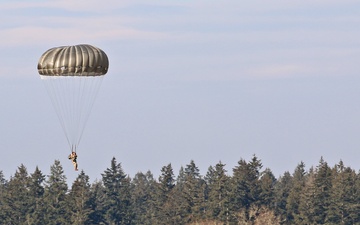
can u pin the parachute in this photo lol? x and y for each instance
(72, 76)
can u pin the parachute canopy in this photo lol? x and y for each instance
(77, 60)
(72, 76)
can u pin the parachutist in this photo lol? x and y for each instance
(73, 157)
(72, 76)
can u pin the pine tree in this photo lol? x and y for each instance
(254, 181)
(96, 202)
(118, 199)
(194, 193)
(166, 179)
(344, 205)
(322, 195)
(293, 199)
(79, 200)
(36, 192)
(355, 199)
(282, 190)
(3, 181)
(323, 188)
(267, 185)
(143, 189)
(180, 179)
(4, 208)
(180, 197)
(246, 189)
(307, 200)
(17, 197)
(218, 189)
(55, 196)
(239, 188)
(166, 197)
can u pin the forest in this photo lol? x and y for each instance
(322, 194)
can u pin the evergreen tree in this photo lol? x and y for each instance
(322, 195)
(55, 196)
(254, 181)
(180, 179)
(218, 189)
(180, 199)
(3, 181)
(209, 180)
(4, 208)
(246, 189)
(239, 188)
(143, 189)
(293, 200)
(166, 179)
(323, 188)
(118, 199)
(79, 200)
(167, 197)
(308, 201)
(36, 193)
(282, 190)
(344, 205)
(267, 185)
(17, 198)
(210, 177)
(96, 203)
(194, 193)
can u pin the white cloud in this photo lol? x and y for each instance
(33, 35)
(80, 5)
(205, 22)
(248, 42)
(278, 71)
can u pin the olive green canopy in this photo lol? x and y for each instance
(77, 60)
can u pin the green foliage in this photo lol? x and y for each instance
(79, 200)
(117, 202)
(143, 198)
(16, 198)
(3, 190)
(344, 196)
(282, 189)
(320, 195)
(55, 196)
(193, 193)
(267, 192)
(166, 197)
(96, 203)
(167, 180)
(36, 210)
(217, 193)
(323, 187)
(293, 200)
(246, 186)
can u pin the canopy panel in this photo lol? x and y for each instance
(77, 60)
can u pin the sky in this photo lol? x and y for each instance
(198, 80)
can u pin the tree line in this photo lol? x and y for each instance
(251, 195)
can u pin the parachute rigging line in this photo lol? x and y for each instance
(73, 99)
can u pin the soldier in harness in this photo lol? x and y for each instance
(73, 157)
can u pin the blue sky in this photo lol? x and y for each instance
(207, 81)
